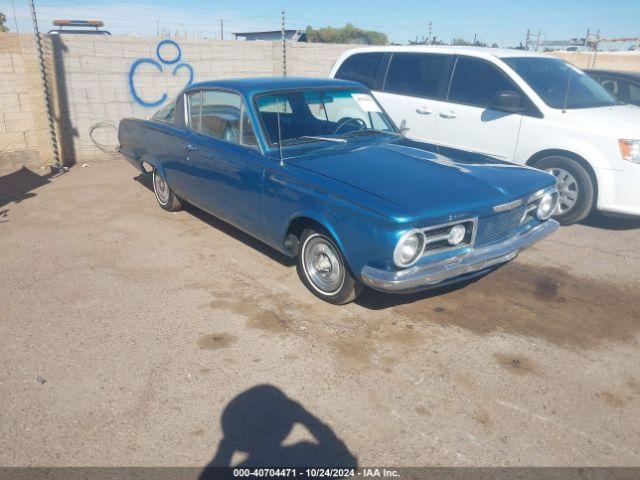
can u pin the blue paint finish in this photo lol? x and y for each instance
(366, 192)
(159, 66)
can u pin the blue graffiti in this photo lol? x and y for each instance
(160, 68)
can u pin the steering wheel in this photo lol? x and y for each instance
(347, 120)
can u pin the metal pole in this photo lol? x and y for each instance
(45, 87)
(284, 48)
(221, 29)
(15, 17)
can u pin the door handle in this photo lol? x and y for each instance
(422, 110)
(448, 114)
(190, 148)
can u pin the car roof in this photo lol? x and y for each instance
(616, 73)
(254, 85)
(454, 49)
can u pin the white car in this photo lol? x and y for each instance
(516, 106)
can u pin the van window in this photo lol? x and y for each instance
(417, 74)
(476, 82)
(361, 67)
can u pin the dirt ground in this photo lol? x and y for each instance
(132, 336)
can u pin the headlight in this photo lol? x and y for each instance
(630, 150)
(408, 249)
(547, 204)
(457, 234)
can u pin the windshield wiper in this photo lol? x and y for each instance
(370, 131)
(310, 138)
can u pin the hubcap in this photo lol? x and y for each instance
(322, 265)
(161, 188)
(568, 190)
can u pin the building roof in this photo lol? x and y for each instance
(250, 86)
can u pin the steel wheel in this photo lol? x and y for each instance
(161, 188)
(323, 265)
(164, 195)
(568, 189)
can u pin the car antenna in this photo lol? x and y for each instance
(280, 137)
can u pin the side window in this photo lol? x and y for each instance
(195, 106)
(417, 74)
(476, 82)
(634, 93)
(218, 114)
(167, 113)
(248, 134)
(361, 67)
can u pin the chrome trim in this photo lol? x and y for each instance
(451, 248)
(424, 276)
(507, 206)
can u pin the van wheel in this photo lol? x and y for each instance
(322, 269)
(575, 187)
(164, 195)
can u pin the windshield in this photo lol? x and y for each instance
(559, 84)
(317, 115)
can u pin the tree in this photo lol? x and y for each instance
(346, 34)
(3, 20)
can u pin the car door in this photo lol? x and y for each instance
(413, 91)
(224, 166)
(468, 120)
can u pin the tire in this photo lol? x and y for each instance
(576, 188)
(322, 268)
(164, 195)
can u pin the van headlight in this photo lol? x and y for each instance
(409, 248)
(546, 205)
(630, 150)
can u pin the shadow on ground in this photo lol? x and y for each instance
(224, 227)
(18, 186)
(256, 423)
(607, 222)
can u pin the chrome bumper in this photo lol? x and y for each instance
(432, 274)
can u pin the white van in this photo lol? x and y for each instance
(516, 106)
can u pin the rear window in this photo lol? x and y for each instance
(361, 67)
(417, 74)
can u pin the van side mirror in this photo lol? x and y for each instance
(403, 127)
(507, 101)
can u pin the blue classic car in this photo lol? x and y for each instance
(317, 170)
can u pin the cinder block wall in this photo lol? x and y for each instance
(93, 87)
(24, 134)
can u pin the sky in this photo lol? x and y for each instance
(493, 21)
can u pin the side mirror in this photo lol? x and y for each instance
(403, 127)
(507, 101)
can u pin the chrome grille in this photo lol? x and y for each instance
(498, 227)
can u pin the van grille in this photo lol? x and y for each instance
(498, 227)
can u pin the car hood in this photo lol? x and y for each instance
(622, 121)
(422, 182)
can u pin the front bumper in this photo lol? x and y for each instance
(446, 271)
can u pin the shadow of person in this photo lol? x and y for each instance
(256, 423)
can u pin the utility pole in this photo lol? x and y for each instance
(527, 40)
(221, 29)
(284, 48)
(586, 38)
(15, 17)
(538, 41)
(429, 40)
(475, 36)
(45, 87)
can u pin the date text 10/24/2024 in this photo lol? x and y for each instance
(315, 473)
